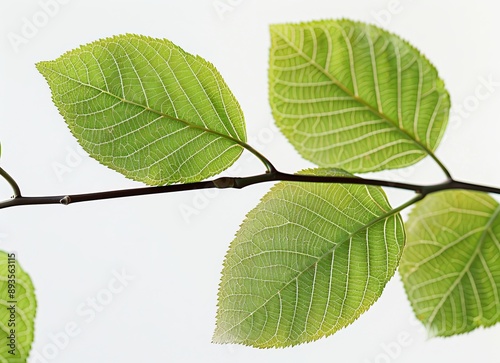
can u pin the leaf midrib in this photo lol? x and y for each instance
(360, 100)
(147, 108)
(467, 266)
(317, 260)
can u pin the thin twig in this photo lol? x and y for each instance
(238, 183)
(12, 182)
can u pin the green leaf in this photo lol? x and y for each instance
(17, 311)
(147, 109)
(350, 95)
(451, 263)
(306, 262)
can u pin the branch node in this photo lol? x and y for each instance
(224, 182)
(66, 200)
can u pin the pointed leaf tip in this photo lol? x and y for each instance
(351, 95)
(306, 262)
(147, 109)
(450, 266)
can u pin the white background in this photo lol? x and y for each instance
(167, 312)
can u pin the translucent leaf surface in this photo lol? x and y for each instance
(307, 261)
(451, 264)
(17, 311)
(351, 95)
(147, 109)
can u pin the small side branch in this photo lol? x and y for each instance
(12, 182)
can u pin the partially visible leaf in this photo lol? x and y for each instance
(306, 262)
(147, 109)
(17, 311)
(351, 95)
(451, 263)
